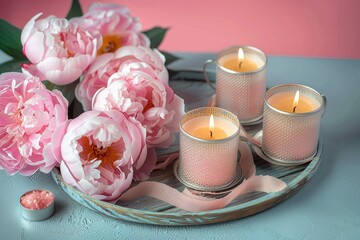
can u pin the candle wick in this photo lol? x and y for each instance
(240, 64)
(211, 134)
(294, 109)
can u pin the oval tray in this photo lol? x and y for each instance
(152, 211)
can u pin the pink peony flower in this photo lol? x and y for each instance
(137, 91)
(107, 64)
(102, 152)
(29, 115)
(116, 26)
(59, 51)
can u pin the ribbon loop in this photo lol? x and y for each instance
(191, 202)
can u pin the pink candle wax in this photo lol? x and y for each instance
(37, 199)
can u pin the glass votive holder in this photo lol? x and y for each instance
(291, 123)
(241, 82)
(208, 159)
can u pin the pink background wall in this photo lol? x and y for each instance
(317, 28)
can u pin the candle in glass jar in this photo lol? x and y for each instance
(240, 82)
(292, 103)
(211, 132)
(291, 123)
(209, 140)
(201, 127)
(239, 63)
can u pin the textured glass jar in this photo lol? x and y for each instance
(292, 137)
(209, 165)
(242, 93)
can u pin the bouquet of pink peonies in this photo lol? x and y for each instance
(119, 79)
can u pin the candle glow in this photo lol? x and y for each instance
(296, 100)
(240, 57)
(210, 132)
(238, 62)
(288, 102)
(211, 125)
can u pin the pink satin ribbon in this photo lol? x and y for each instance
(191, 202)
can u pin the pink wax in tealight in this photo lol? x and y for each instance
(37, 199)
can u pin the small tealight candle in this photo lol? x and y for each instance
(37, 205)
(291, 123)
(209, 140)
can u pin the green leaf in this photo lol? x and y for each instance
(156, 35)
(169, 57)
(10, 40)
(12, 65)
(75, 10)
(67, 90)
(75, 109)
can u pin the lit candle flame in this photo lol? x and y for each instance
(296, 100)
(211, 125)
(211, 122)
(240, 56)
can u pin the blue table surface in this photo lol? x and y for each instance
(328, 207)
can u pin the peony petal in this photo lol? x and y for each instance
(31, 70)
(28, 119)
(28, 28)
(143, 173)
(66, 175)
(35, 55)
(108, 131)
(59, 71)
(59, 51)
